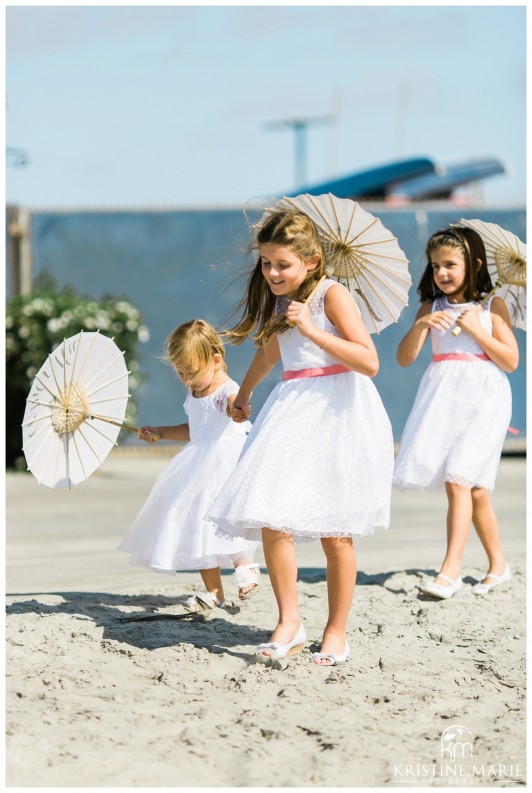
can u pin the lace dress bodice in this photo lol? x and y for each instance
(207, 417)
(443, 341)
(298, 352)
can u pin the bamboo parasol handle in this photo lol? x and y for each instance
(309, 297)
(517, 266)
(457, 331)
(110, 421)
(155, 435)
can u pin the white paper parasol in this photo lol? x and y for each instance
(75, 410)
(361, 253)
(506, 257)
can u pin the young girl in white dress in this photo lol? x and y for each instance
(455, 432)
(171, 531)
(318, 462)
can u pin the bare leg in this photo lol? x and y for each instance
(341, 577)
(213, 582)
(487, 528)
(459, 516)
(281, 561)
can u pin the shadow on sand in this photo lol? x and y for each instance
(167, 626)
(107, 610)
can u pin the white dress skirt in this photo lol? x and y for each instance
(319, 459)
(171, 531)
(458, 423)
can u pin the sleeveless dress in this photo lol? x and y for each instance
(319, 459)
(170, 532)
(457, 426)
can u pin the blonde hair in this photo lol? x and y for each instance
(193, 345)
(291, 229)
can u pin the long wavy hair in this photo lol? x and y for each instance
(477, 278)
(296, 231)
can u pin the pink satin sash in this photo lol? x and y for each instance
(461, 356)
(295, 374)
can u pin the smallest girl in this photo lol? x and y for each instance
(171, 532)
(455, 432)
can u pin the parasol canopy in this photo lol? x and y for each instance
(361, 253)
(75, 410)
(506, 257)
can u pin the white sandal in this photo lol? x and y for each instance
(247, 575)
(206, 601)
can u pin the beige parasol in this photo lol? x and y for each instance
(361, 253)
(506, 257)
(75, 410)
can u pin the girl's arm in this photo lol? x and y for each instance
(411, 345)
(501, 347)
(177, 432)
(355, 348)
(265, 359)
(229, 405)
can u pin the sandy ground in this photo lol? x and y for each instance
(93, 701)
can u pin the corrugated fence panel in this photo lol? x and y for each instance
(175, 265)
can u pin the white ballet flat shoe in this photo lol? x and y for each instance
(334, 658)
(440, 591)
(495, 580)
(278, 651)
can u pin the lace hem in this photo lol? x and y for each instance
(440, 488)
(456, 479)
(312, 537)
(230, 531)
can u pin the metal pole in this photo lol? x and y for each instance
(300, 139)
(299, 125)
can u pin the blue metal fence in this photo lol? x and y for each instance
(175, 265)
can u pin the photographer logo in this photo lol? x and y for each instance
(456, 742)
(458, 764)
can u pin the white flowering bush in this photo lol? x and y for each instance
(36, 324)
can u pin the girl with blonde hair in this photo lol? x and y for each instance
(171, 531)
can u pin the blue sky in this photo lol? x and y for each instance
(138, 106)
